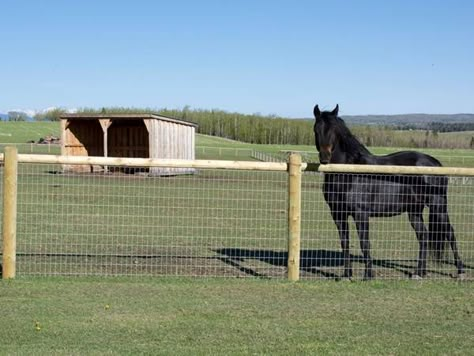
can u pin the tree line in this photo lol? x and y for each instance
(438, 126)
(270, 129)
(254, 128)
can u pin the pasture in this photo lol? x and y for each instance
(64, 316)
(217, 223)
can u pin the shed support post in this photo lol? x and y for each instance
(9, 212)
(105, 124)
(294, 216)
(64, 126)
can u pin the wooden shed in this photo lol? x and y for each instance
(127, 135)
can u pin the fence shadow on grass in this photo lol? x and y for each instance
(318, 262)
(311, 261)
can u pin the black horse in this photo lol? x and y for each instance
(365, 196)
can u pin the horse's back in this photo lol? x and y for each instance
(407, 158)
(433, 184)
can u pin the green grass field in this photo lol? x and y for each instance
(24, 131)
(98, 316)
(228, 224)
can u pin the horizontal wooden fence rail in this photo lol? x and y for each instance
(375, 169)
(245, 165)
(149, 162)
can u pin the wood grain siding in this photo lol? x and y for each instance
(192, 150)
(170, 140)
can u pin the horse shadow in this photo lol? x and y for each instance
(317, 262)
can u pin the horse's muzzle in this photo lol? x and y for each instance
(324, 157)
(325, 153)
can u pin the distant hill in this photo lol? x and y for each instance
(412, 120)
(4, 117)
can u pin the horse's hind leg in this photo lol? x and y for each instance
(416, 220)
(362, 224)
(440, 217)
(452, 241)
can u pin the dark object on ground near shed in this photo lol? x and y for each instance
(49, 140)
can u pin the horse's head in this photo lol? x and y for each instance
(324, 133)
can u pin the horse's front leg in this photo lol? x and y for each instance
(343, 229)
(362, 224)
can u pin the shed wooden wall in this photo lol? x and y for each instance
(170, 140)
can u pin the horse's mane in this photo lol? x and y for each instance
(349, 143)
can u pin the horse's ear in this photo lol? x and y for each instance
(336, 110)
(316, 112)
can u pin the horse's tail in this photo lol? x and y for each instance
(440, 230)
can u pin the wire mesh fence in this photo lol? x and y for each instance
(37, 148)
(132, 224)
(216, 223)
(394, 246)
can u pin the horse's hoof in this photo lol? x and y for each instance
(416, 277)
(462, 276)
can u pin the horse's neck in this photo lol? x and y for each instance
(353, 156)
(368, 159)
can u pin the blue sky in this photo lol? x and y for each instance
(271, 57)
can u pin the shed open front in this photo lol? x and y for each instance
(128, 138)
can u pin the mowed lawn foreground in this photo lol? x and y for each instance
(234, 316)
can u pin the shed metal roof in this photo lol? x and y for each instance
(125, 117)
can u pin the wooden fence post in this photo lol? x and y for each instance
(294, 216)
(9, 212)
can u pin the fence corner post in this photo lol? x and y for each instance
(9, 212)
(294, 216)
